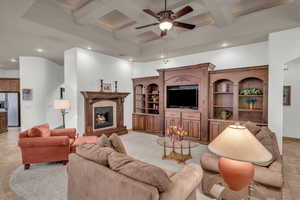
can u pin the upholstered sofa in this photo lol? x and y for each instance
(89, 180)
(268, 178)
(40, 144)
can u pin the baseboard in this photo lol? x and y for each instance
(291, 139)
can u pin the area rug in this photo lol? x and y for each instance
(48, 181)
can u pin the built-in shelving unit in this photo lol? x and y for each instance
(230, 104)
(146, 105)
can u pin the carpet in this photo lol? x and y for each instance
(48, 181)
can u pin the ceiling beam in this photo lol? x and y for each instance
(220, 11)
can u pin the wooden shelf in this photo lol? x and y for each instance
(251, 95)
(152, 94)
(153, 102)
(250, 110)
(223, 92)
(221, 106)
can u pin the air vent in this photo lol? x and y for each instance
(114, 20)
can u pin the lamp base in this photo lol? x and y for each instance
(236, 174)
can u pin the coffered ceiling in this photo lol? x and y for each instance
(108, 26)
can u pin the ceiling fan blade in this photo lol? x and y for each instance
(146, 25)
(184, 25)
(183, 12)
(150, 12)
(163, 33)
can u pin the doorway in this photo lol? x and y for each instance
(10, 103)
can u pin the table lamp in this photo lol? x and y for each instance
(238, 148)
(62, 105)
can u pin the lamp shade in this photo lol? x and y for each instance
(238, 143)
(62, 104)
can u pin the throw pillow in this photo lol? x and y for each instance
(103, 141)
(40, 131)
(266, 138)
(117, 143)
(140, 171)
(252, 127)
(94, 152)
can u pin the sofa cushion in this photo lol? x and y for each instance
(117, 143)
(266, 138)
(103, 141)
(94, 152)
(252, 127)
(140, 171)
(40, 131)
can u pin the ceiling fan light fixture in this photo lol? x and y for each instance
(165, 25)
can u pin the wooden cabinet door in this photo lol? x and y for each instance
(138, 122)
(14, 85)
(152, 124)
(195, 129)
(216, 128)
(3, 123)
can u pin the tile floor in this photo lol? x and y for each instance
(10, 160)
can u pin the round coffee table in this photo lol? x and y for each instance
(182, 145)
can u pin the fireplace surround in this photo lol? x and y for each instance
(104, 112)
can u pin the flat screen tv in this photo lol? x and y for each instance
(183, 96)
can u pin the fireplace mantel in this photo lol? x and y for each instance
(92, 97)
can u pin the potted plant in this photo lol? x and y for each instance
(251, 91)
(251, 102)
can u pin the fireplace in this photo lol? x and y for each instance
(104, 113)
(103, 117)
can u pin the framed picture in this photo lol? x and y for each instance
(27, 94)
(107, 87)
(287, 95)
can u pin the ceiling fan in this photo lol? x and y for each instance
(166, 19)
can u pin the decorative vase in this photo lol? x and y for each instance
(251, 105)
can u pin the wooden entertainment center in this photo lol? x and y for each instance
(220, 100)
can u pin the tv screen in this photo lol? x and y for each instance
(183, 96)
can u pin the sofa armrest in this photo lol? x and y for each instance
(70, 132)
(184, 183)
(44, 141)
(269, 177)
(210, 162)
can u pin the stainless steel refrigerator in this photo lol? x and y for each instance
(9, 102)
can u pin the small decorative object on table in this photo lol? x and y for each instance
(251, 102)
(175, 140)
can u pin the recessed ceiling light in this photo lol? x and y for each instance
(13, 60)
(40, 50)
(89, 48)
(162, 56)
(225, 44)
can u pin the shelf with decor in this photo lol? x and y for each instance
(223, 99)
(251, 99)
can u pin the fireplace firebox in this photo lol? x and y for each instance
(103, 117)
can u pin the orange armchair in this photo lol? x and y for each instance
(40, 144)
